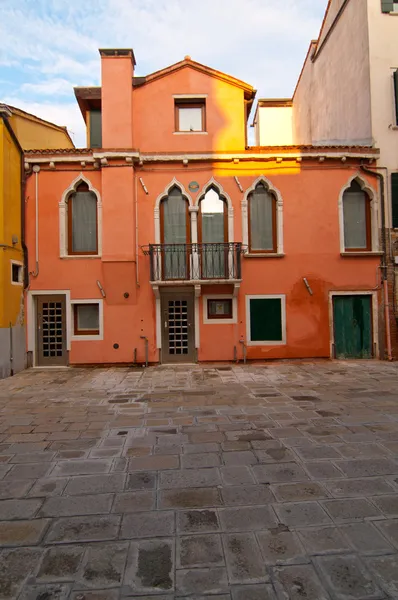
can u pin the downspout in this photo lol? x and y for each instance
(137, 281)
(384, 257)
(36, 170)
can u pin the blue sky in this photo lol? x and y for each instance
(49, 46)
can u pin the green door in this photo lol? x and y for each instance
(352, 317)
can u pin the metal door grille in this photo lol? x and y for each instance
(52, 329)
(178, 326)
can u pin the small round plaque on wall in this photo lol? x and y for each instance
(193, 186)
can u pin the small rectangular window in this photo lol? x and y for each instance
(394, 199)
(265, 320)
(395, 77)
(190, 115)
(16, 273)
(86, 319)
(95, 129)
(219, 308)
(387, 6)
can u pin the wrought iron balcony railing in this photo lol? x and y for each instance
(194, 262)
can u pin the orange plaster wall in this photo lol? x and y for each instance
(311, 244)
(154, 120)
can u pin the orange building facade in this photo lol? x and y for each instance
(171, 240)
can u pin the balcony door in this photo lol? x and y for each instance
(175, 234)
(213, 235)
(178, 326)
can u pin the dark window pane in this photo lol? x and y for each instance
(95, 129)
(87, 317)
(394, 195)
(354, 208)
(265, 320)
(261, 219)
(84, 222)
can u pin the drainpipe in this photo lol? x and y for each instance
(36, 170)
(11, 353)
(384, 257)
(137, 280)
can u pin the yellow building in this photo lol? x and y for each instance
(19, 131)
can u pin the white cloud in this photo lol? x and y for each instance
(54, 44)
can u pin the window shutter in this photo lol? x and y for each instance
(394, 199)
(95, 129)
(387, 6)
(396, 94)
(265, 319)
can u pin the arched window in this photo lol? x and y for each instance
(213, 234)
(175, 234)
(357, 219)
(262, 206)
(82, 221)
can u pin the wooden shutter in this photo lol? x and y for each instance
(396, 94)
(394, 199)
(265, 319)
(387, 6)
(95, 129)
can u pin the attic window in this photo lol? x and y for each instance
(190, 115)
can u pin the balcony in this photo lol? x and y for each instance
(176, 263)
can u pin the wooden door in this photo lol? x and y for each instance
(352, 316)
(178, 332)
(51, 331)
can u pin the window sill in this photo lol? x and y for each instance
(358, 254)
(80, 256)
(190, 132)
(264, 255)
(87, 338)
(265, 343)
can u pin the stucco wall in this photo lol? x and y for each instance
(311, 220)
(383, 37)
(332, 98)
(33, 134)
(274, 126)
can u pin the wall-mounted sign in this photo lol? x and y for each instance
(193, 186)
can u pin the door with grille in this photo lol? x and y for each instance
(178, 339)
(51, 331)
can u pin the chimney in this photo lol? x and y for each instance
(117, 71)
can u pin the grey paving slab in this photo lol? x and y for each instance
(295, 463)
(251, 518)
(191, 582)
(61, 563)
(253, 592)
(84, 529)
(95, 484)
(244, 562)
(300, 514)
(323, 540)
(347, 578)
(149, 567)
(199, 551)
(385, 569)
(103, 566)
(280, 548)
(366, 539)
(16, 566)
(148, 525)
(296, 582)
(197, 521)
(190, 478)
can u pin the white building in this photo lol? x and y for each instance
(347, 95)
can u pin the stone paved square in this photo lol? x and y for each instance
(274, 481)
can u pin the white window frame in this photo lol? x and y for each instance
(365, 187)
(63, 219)
(282, 298)
(20, 273)
(87, 338)
(279, 218)
(209, 321)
